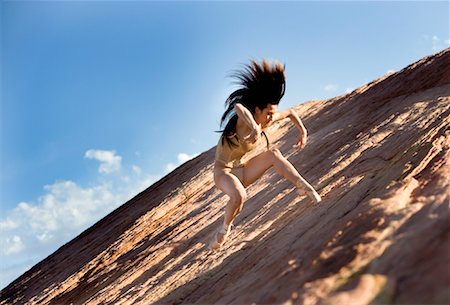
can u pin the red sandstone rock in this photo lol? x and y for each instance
(380, 158)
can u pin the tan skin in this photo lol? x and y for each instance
(249, 127)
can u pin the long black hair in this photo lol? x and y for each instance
(260, 84)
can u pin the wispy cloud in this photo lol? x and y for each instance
(331, 87)
(436, 43)
(181, 158)
(64, 210)
(109, 161)
(12, 245)
(136, 169)
(33, 230)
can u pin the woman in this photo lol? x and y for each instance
(250, 110)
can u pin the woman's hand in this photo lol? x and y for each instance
(292, 114)
(301, 142)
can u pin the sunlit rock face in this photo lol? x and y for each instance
(379, 157)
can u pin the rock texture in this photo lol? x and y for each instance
(380, 158)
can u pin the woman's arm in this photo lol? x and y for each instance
(292, 114)
(296, 120)
(246, 116)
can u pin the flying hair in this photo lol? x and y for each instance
(260, 84)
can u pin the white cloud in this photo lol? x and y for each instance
(436, 43)
(109, 161)
(136, 169)
(170, 167)
(181, 158)
(348, 90)
(11, 245)
(390, 71)
(63, 211)
(331, 87)
(33, 230)
(8, 224)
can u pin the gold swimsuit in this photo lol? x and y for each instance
(228, 158)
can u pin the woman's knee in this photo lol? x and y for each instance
(235, 191)
(276, 153)
(238, 198)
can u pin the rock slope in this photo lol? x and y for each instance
(380, 158)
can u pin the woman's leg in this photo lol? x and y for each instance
(230, 185)
(258, 165)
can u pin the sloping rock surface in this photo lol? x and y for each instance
(380, 158)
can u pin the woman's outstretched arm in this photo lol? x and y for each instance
(292, 114)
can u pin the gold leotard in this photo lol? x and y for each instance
(228, 158)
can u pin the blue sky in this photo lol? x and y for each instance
(101, 99)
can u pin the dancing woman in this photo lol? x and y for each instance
(249, 111)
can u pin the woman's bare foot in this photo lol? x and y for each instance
(311, 193)
(220, 238)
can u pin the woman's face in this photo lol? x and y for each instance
(264, 116)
